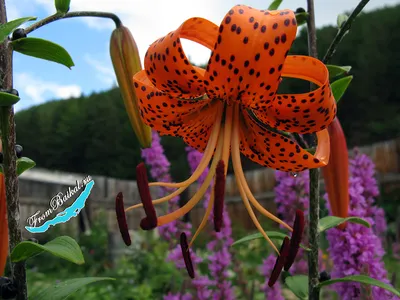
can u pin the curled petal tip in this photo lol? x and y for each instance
(298, 228)
(121, 218)
(280, 261)
(186, 255)
(126, 62)
(219, 193)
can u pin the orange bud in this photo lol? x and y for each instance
(336, 173)
(3, 226)
(126, 62)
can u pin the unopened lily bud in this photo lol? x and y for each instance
(62, 6)
(126, 61)
(336, 173)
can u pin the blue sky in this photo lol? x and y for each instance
(87, 39)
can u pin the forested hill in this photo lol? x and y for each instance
(92, 134)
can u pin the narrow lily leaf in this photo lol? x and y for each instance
(62, 6)
(8, 28)
(274, 235)
(24, 164)
(63, 246)
(361, 279)
(301, 18)
(298, 284)
(64, 289)
(335, 71)
(332, 221)
(340, 86)
(341, 19)
(7, 99)
(43, 49)
(274, 5)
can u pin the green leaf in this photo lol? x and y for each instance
(361, 279)
(335, 71)
(340, 86)
(301, 18)
(24, 164)
(63, 246)
(332, 221)
(7, 99)
(43, 49)
(274, 235)
(64, 289)
(298, 284)
(341, 19)
(274, 5)
(62, 6)
(8, 28)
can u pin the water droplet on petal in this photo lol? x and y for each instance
(294, 174)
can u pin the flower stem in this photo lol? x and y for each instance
(342, 31)
(10, 164)
(313, 235)
(59, 16)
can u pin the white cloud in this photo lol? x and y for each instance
(38, 90)
(104, 72)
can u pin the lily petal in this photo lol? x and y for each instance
(167, 66)
(248, 57)
(336, 173)
(190, 119)
(276, 151)
(301, 113)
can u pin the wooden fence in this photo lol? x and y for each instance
(38, 186)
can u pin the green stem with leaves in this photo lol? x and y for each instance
(7, 126)
(60, 16)
(345, 27)
(313, 235)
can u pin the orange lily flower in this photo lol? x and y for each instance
(336, 173)
(232, 106)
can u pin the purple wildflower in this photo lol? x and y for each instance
(357, 249)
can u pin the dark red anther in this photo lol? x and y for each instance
(144, 192)
(121, 218)
(280, 261)
(219, 193)
(297, 234)
(186, 255)
(146, 224)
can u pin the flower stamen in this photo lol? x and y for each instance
(219, 192)
(297, 234)
(280, 261)
(186, 255)
(121, 218)
(214, 138)
(241, 180)
(144, 192)
(199, 194)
